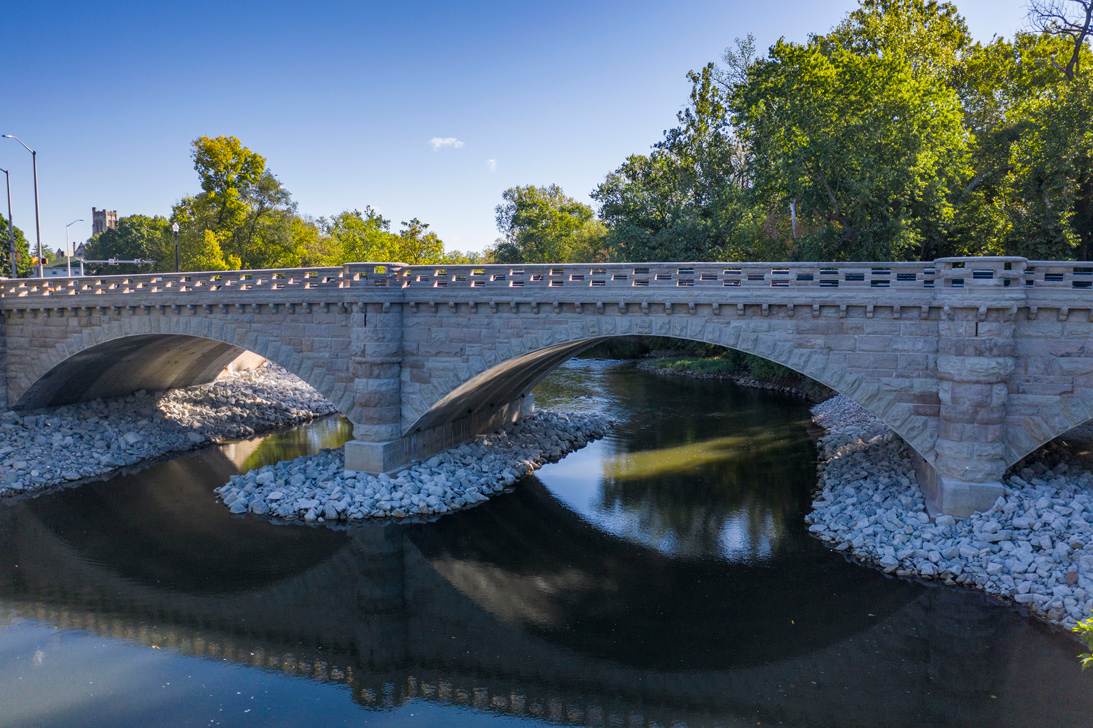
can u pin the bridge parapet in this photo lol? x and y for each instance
(224, 283)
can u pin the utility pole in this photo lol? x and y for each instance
(11, 228)
(68, 245)
(174, 227)
(37, 217)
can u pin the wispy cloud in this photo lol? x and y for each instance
(491, 165)
(439, 142)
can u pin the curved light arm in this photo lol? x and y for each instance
(73, 222)
(12, 136)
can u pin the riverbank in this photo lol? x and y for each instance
(317, 488)
(700, 368)
(1034, 547)
(90, 439)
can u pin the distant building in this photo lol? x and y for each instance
(58, 267)
(102, 220)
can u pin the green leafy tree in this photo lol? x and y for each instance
(135, 237)
(1030, 124)
(544, 225)
(242, 202)
(227, 171)
(687, 199)
(207, 255)
(868, 146)
(416, 245)
(22, 251)
(358, 237)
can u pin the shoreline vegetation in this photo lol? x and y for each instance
(673, 357)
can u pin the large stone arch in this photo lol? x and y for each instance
(1049, 389)
(501, 369)
(1028, 431)
(157, 353)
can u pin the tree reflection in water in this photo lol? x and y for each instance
(671, 477)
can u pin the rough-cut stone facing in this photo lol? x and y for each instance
(317, 488)
(78, 441)
(1034, 546)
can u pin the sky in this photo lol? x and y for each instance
(418, 109)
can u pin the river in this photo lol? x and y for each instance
(662, 576)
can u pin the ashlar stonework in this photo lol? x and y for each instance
(974, 362)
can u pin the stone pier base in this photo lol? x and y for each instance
(385, 457)
(952, 497)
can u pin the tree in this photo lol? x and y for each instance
(543, 225)
(207, 255)
(227, 170)
(1030, 190)
(242, 202)
(685, 200)
(358, 237)
(869, 145)
(1066, 19)
(415, 245)
(22, 251)
(136, 236)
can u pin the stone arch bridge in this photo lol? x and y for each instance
(974, 362)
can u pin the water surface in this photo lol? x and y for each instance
(662, 576)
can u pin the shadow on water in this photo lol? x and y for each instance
(661, 575)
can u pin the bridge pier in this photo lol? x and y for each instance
(390, 455)
(379, 445)
(975, 358)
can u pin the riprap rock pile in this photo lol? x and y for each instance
(1035, 546)
(91, 438)
(318, 488)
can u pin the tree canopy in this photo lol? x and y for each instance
(544, 225)
(893, 136)
(244, 218)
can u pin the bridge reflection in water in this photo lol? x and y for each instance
(520, 607)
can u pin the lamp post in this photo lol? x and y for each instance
(37, 217)
(68, 245)
(174, 227)
(11, 228)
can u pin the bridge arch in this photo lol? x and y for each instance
(129, 355)
(1031, 426)
(504, 369)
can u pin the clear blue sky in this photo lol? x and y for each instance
(343, 98)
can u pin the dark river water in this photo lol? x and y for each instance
(660, 577)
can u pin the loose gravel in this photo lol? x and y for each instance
(317, 488)
(1033, 547)
(93, 438)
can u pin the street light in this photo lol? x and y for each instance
(68, 245)
(11, 229)
(174, 227)
(37, 218)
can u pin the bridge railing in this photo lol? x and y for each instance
(713, 276)
(941, 273)
(1059, 274)
(221, 282)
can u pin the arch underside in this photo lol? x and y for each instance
(511, 379)
(153, 362)
(501, 385)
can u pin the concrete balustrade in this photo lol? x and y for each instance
(975, 362)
